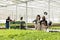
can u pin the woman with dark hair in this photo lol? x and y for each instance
(7, 22)
(43, 23)
(22, 23)
(37, 22)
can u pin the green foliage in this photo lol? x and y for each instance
(28, 35)
(16, 25)
(2, 24)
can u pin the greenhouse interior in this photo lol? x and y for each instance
(28, 9)
(29, 19)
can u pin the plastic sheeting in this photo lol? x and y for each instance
(16, 10)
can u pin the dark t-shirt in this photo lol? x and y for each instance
(43, 22)
(36, 21)
(7, 21)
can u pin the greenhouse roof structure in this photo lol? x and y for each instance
(32, 2)
(52, 7)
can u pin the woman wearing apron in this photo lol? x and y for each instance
(37, 22)
(43, 23)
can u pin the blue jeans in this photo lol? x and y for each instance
(7, 25)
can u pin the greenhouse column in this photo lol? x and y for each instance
(26, 15)
(16, 11)
(49, 8)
